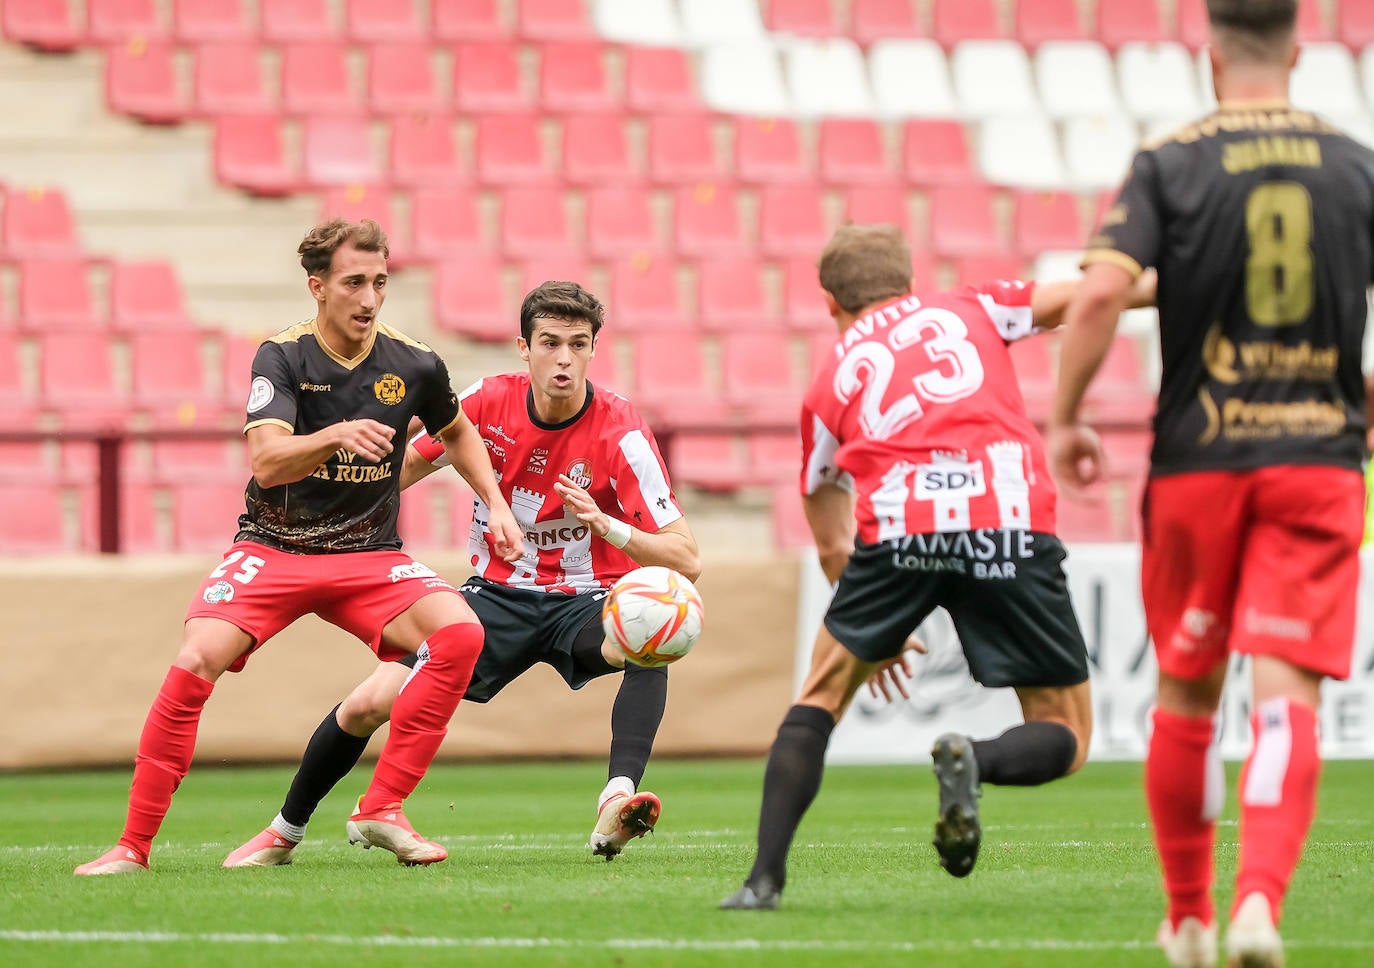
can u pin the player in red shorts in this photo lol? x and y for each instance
(319, 535)
(583, 475)
(1258, 219)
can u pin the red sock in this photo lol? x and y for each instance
(1278, 798)
(1178, 774)
(164, 754)
(419, 718)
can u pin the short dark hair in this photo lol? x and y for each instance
(560, 300)
(320, 243)
(1253, 31)
(865, 264)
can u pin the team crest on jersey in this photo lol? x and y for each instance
(390, 389)
(580, 473)
(260, 394)
(218, 593)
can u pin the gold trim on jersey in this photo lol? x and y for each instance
(451, 424)
(1114, 257)
(399, 336)
(1259, 117)
(265, 421)
(293, 334)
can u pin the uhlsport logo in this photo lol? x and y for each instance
(218, 593)
(390, 389)
(580, 473)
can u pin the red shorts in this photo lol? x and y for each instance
(1263, 562)
(263, 590)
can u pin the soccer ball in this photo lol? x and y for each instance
(654, 615)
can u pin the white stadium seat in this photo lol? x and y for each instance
(1358, 126)
(827, 77)
(992, 78)
(744, 78)
(648, 22)
(1098, 151)
(717, 21)
(1324, 80)
(1075, 79)
(1021, 152)
(1158, 81)
(911, 79)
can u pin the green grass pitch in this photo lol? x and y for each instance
(1067, 875)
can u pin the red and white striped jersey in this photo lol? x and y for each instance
(607, 448)
(918, 413)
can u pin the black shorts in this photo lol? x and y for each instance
(524, 627)
(1004, 590)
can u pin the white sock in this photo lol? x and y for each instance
(617, 785)
(290, 831)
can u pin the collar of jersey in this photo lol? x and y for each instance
(1257, 104)
(534, 417)
(344, 361)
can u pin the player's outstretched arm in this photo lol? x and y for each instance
(277, 456)
(672, 546)
(466, 452)
(1050, 300)
(830, 513)
(415, 467)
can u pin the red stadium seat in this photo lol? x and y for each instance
(659, 81)
(956, 20)
(802, 18)
(1033, 358)
(645, 295)
(236, 366)
(534, 222)
(791, 220)
(709, 461)
(596, 151)
(229, 80)
(212, 22)
(1044, 221)
(76, 377)
(756, 368)
(487, 78)
(1040, 20)
(706, 223)
(935, 152)
(316, 79)
(1127, 453)
(250, 154)
(510, 150)
(168, 375)
(146, 294)
(820, 348)
(55, 294)
(114, 22)
(444, 224)
(731, 294)
(620, 222)
(768, 150)
(33, 519)
(464, 20)
(205, 513)
(962, 221)
(803, 300)
(290, 21)
(175, 459)
(18, 401)
(37, 223)
(139, 528)
(423, 151)
(682, 150)
(419, 523)
(670, 368)
(1084, 521)
(1119, 394)
(773, 457)
(400, 80)
(790, 530)
(572, 77)
(1193, 28)
(923, 278)
(141, 81)
(358, 201)
(563, 267)
(853, 152)
(1311, 26)
(553, 20)
(338, 151)
(45, 24)
(874, 20)
(23, 460)
(603, 371)
(867, 205)
(977, 270)
(470, 299)
(1119, 21)
(383, 22)
(1355, 24)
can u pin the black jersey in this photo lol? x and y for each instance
(348, 503)
(1260, 220)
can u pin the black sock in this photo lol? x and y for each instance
(635, 717)
(790, 782)
(1026, 755)
(329, 755)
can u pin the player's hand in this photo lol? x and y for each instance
(890, 679)
(582, 505)
(1076, 461)
(369, 439)
(507, 540)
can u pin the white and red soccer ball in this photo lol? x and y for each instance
(654, 615)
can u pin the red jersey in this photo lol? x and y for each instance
(607, 448)
(918, 413)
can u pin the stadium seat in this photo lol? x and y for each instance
(773, 457)
(596, 151)
(1324, 81)
(801, 18)
(620, 223)
(338, 151)
(788, 519)
(637, 22)
(645, 295)
(55, 294)
(923, 276)
(292, 21)
(876, 20)
(669, 367)
(853, 152)
(1098, 151)
(1121, 21)
(400, 80)
(659, 81)
(18, 399)
(77, 379)
(236, 365)
(1087, 521)
(866, 205)
(468, 20)
(828, 78)
(756, 369)
(33, 519)
(229, 79)
(553, 20)
(419, 524)
(140, 530)
(1038, 21)
(250, 154)
(803, 300)
(212, 22)
(146, 294)
(444, 224)
(37, 223)
(682, 150)
(911, 79)
(708, 22)
(383, 22)
(935, 152)
(1119, 394)
(709, 461)
(1193, 30)
(168, 375)
(205, 514)
(1033, 359)
(1127, 452)
(44, 24)
(1311, 25)
(992, 78)
(1046, 220)
(820, 350)
(1076, 78)
(359, 201)
(603, 371)
(487, 78)
(316, 80)
(193, 457)
(962, 221)
(423, 151)
(565, 267)
(731, 295)
(534, 222)
(141, 81)
(744, 78)
(1021, 152)
(769, 150)
(572, 77)
(24, 460)
(117, 22)
(979, 270)
(510, 150)
(1158, 81)
(1355, 24)
(953, 21)
(706, 223)
(470, 299)
(792, 221)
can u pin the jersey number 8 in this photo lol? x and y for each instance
(1278, 273)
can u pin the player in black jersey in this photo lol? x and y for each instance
(1260, 221)
(319, 535)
